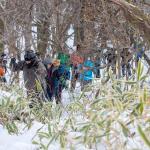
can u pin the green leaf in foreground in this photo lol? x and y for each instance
(125, 130)
(143, 136)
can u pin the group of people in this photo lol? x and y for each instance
(126, 58)
(45, 79)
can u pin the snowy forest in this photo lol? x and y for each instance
(74, 74)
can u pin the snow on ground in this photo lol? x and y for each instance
(4, 93)
(24, 141)
(18, 142)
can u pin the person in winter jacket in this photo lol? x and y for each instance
(53, 81)
(3, 68)
(48, 63)
(125, 62)
(76, 61)
(64, 73)
(111, 58)
(57, 76)
(2, 73)
(75, 76)
(34, 73)
(97, 64)
(86, 75)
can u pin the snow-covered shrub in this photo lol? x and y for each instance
(114, 115)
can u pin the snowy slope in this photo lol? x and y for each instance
(23, 141)
(20, 142)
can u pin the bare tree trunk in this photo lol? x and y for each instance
(28, 26)
(43, 37)
(28, 36)
(86, 29)
(82, 24)
(1, 36)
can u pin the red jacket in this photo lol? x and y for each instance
(2, 71)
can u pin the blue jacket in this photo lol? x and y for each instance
(57, 77)
(87, 73)
(64, 71)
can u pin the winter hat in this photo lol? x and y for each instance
(47, 61)
(56, 62)
(29, 55)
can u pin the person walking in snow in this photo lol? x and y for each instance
(125, 62)
(34, 73)
(3, 68)
(48, 63)
(57, 76)
(97, 63)
(86, 74)
(76, 61)
(111, 58)
(53, 81)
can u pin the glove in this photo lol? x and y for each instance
(47, 79)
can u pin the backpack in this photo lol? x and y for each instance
(64, 58)
(76, 59)
(64, 74)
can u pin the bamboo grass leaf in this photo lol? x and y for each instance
(125, 130)
(35, 143)
(144, 137)
(43, 135)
